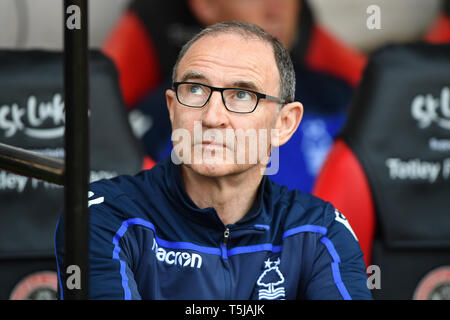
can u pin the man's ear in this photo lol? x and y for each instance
(170, 101)
(204, 10)
(287, 122)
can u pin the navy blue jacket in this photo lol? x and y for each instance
(148, 240)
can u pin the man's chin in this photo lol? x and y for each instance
(217, 169)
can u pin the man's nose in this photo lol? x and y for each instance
(215, 115)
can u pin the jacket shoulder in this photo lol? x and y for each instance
(303, 208)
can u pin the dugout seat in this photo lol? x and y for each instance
(32, 117)
(389, 170)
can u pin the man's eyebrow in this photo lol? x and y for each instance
(192, 75)
(246, 85)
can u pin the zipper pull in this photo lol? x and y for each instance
(226, 234)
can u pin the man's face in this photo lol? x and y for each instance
(226, 61)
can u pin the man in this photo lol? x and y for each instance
(439, 31)
(146, 42)
(215, 227)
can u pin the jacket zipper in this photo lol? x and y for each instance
(224, 244)
(226, 234)
(224, 247)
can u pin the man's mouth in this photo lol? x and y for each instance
(213, 144)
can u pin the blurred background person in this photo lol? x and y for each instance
(144, 64)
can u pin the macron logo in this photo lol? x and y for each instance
(183, 259)
(340, 218)
(94, 201)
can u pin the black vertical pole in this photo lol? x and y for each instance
(76, 90)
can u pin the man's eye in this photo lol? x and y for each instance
(242, 95)
(195, 89)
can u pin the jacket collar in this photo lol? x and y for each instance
(257, 215)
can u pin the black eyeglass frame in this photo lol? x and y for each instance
(221, 90)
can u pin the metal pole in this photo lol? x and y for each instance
(76, 88)
(31, 164)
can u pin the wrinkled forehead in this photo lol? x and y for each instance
(230, 55)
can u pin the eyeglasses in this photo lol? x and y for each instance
(197, 95)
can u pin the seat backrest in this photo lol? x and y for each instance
(439, 31)
(32, 117)
(390, 170)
